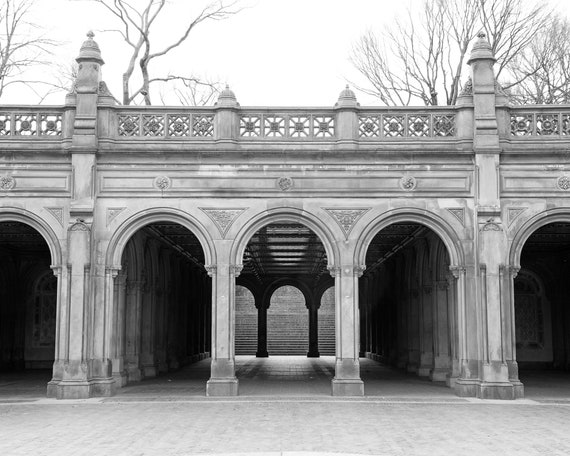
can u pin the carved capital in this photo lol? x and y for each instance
(113, 271)
(211, 269)
(359, 270)
(457, 271)
(235, 269)
(334, 271)
(514, 270)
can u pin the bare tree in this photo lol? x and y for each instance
(136, 25)
(422, 59)
(543, 68)
(22, 46)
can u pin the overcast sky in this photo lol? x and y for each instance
(274, 52)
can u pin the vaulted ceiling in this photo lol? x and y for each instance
(285, 250)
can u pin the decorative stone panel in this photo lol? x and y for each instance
(346, 218)
(223, 217)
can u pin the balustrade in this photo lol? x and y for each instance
(31, 121)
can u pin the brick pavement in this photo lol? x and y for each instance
(162, 417)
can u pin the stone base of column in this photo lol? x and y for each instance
(450, 380)
(347, 380)
(149, 371)
(348, 387)
(426, 362)
(104, 387)
(73, 389)
(261, 354)
(313, 354)
(466, 387)
(500, 390)
(134, 374)
(120, 378)
(412, 368)
(438, 374)
(222, 387)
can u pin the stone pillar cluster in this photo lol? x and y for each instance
(405, 303)
(162, 318)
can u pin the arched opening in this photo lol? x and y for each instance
(162, 301)
(327, 323)
(287, 262)
(28, 303)
(287, 323)
(246, 322)
(542, 308)
(407, 305)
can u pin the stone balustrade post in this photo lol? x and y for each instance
(226, 120)
(347, 118)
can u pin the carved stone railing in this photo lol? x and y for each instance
(287, 123)
(31, 121)
(275, 124)
(157, 122)
(393, 123)
(540, 120)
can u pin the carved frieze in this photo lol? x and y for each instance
(223, 217)
(57, 213)
(408, 183)
(563, 183)
(112, 213)
(458, 213)
(491, 226)
(346, 217)
(162, 182)
(513, 213)
(7, 183)
(285, 183)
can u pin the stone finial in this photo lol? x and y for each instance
(481, 49)
(90, 50)
(227, 98)
(347, 99)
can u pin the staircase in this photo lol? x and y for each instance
(287, 325)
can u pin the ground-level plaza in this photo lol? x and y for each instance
(285, 407)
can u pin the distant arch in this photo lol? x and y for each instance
(284, 215)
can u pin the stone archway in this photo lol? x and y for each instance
(161, 297)
(409, 299)
(29, 291)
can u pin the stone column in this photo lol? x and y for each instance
(363, 302)
(441, 358)
(313, 309)
(148, 314)
(223, 381)
(133, 330)
(452, 324)
(74, 382)
(118, 323)
(491, 243)
(261, 327)
(346, 381)
(508, 277)
(426, 330)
